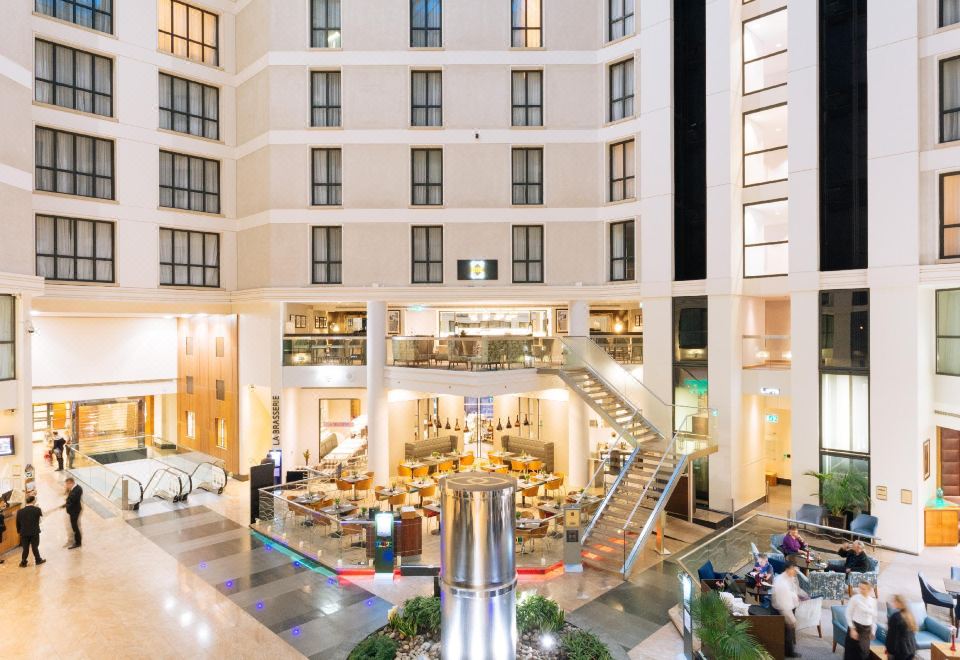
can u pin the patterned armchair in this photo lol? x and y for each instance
(829, 585)
(854, 578)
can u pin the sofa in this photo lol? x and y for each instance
(929, 630)
(531, 446)
(425, 448)
(328, 443)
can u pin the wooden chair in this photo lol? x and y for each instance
(552, 487)
(345, 488)
(535, 466)
(518, 466)
(540, 533)
(445, 466)
(466, 461)
(529, 492)
(363, 485)
(404, 473)
(495, 460)
(502, 470)
(397, 500)
(429, 491)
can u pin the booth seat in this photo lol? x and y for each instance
(531, 446)
(443, 444)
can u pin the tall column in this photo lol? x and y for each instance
(378, 426)
(24, 373)
(736, 478)
(578, 426)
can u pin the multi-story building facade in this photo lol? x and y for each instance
(765, 192)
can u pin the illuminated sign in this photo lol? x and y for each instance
(275, 420)
(477, 269)
(773, 419)
(770, 391)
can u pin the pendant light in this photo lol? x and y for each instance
(509, 423)
(526, 420)
(429, 422)
(447, 427)
(490, 426)
(457, 427)
(499, 424)
(436, 421)
(517, 423)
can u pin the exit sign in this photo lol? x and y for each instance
(773, 419)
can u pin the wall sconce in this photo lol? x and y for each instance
(763, 355)
(618, 327)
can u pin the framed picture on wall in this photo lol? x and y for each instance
(300, 321)
(319, 322)
(393, 322)
(926, 459)
(562, 325)
(637, 321)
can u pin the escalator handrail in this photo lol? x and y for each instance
(167, 469)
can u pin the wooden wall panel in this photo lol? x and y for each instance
(206, 368)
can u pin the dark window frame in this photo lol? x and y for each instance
(936, 330)
(629, 257)
(522, 28)
(13, 335)
(625, 179)
(320, 32)
(332, 187)
(40, 7)
(943, 225)
(189, 190)
(55, 86)
(171, 80)
(615, 69)
(427, 185)
(743, 241)
(743, 146)
(612, 22)
(57, 255)
(940, 23)
(57, 171)
(190, 263)
(426, 106)
(744, 62)
(944, 111)
(431, 258)
(191, 40)
(524, 259)
(332, 114)
(531, 190)
(328, 265)
(424, 30)
(526, 107)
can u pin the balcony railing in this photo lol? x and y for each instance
(320, 350)
(473, 353)
(766, 352)
(625, 349)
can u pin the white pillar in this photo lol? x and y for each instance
(578, 428)
(24, 374)
(378, 421)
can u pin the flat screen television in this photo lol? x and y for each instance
(6, 445)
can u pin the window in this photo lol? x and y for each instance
(73, 78)
(221, 390)
(621, 90)
(425, 23)
(189, 107)
(188, 31)
(949, 12)
(950, 215)
(950, 99)
(327, 182)
(188, 350)
(765, 52)
(93, 14)
(528, 176)
(621, 18)
(621, 251)
(621, 171)
(191, 424)
(189, 383)
(527, 254)
(845, 412)
(948, 332)
(527, 98)
(325, 98)
(218, 347)
(325, 23)
(8, 348)
(426, 98)
(221, 432)
(327, 255)
(189, 182)
(765, 239)
(74, 164)
(765, 145)
(845, 331)
(189, 258)
(526, 23)
(427, 177)
(427, 255)
(74, 250)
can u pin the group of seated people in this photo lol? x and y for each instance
(794, 549)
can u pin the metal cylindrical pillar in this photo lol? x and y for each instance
(478, 572)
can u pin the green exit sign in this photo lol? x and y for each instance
(773, 419)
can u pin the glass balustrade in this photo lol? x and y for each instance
(473, 353)
(766, 352)
(322, 350)
(625, 349)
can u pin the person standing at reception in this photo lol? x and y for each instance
(28, 527)
(861, 623)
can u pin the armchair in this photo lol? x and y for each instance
(838, 616)
(776, 540)
(811, 514)
(929, 630)
(829, 585)
(854, 578)
(808, 615)
(936, 598)
(865, 525)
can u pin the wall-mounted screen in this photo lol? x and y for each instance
(6, 445)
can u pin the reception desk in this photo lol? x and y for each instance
(10, 537)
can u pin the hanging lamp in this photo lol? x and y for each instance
(499, 424)
(447, 427)
(457, 427)
(526, 420)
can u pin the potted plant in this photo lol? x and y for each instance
(841, 492)
(306, 458)
(722, 635)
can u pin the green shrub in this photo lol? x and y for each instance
(539, 614)
(418, 616)
(723, 636)
(377, 647)
(583, 645)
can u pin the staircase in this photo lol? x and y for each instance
(628, 513)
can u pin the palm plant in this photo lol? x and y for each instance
(722, 636)
(841, 491)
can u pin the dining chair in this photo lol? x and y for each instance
(535, 466)
(502, 470)
(529, 492)
(345, 488)
(552, 487)
(426, 492)
(420, 472)
(445, 466)
(466, 461)
(518, 466)
(397, 500)
(363, 485)
(404, 473)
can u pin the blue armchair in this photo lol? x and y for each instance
(811, 514)
(936, 598)
(929, 630)
(865, 525)
(776, 540)
(838, 616)
(707, 572)
(955, 572)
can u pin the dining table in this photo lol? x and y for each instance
(354, 479)
(393, 491)
(417, 485)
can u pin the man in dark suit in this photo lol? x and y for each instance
(58, 444)
(28, 527)
(74, 508)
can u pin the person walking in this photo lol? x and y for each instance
(74, 508)
(785, 599)
(58, 444)
(28, 527)
(861, 623)
(901, 632)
